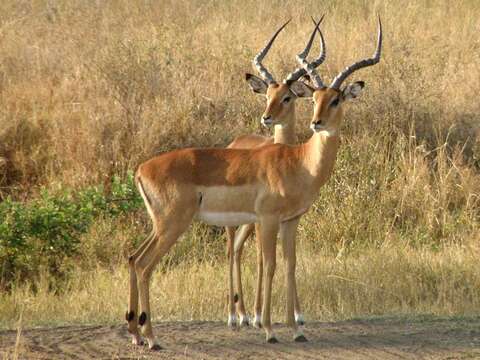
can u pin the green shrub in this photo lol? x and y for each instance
(44, 232)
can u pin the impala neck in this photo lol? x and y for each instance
(320, 153)
(285, 134)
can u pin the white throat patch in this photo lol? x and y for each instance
(324, 132)
(328, 133)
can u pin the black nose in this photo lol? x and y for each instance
(266, 117)
(318, 122)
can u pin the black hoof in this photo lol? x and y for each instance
(156, 347)
(300, 323)
(301, 339)
(272, 340)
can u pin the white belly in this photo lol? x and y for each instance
(226, 218)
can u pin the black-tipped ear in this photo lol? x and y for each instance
(256, 84)
(300, 89)
(351, 91)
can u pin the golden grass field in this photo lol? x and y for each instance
(90, 89)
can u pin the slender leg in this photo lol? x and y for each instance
(144, 267)
(242, 234)
(232, 319)
(258, 291)
(132, 313)
(289, 229)
(287, 234)
(268, 230)
(168, 229)
(299, 319)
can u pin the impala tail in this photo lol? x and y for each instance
(146, 198)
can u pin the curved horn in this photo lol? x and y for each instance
(257, 60)
(309, 68)
(299, 72)
(340, 78)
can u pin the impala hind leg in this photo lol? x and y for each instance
(268, 237)
(241, 235)
(132, 312)
(257, 322)
(288, 232)
(165, 237)
(232, 318)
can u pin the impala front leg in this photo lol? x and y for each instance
(299, 319)
(288, 232)
(268, 230)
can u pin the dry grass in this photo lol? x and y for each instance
(388, 280)
(112, 83)
(90, 89)
(17, 351)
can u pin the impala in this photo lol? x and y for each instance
(279, 112)
(271, 185)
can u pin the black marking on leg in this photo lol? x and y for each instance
(129, 316)
(235, 298)
(272, 340)
(156, 347)
(142, 318)
(300, 322)
(200, 198)
(131, 259)
(301, 338)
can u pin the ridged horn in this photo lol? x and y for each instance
(299, 72)
(257, 60)
(309, 67)
(340, 78)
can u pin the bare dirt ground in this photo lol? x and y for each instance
(425, 338)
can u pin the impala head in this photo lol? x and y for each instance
(328, 100)
(281, 96)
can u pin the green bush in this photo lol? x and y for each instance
(44, 232)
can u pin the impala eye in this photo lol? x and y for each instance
(287, 99)
(335, 102)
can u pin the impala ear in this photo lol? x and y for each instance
(256, 84)
(300, 89)
(353, 90)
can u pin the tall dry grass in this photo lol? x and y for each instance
(387, 280)
(90, 89)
